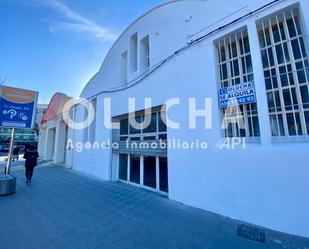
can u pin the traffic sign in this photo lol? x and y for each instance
(17, 107)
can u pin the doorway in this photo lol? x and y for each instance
(149, 172)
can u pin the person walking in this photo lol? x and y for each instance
(31, 156)
(15, 153)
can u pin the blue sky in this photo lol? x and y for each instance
(58, 45)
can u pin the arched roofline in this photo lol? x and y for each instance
(50, 105)
(132, 24)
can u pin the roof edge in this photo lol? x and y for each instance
(127, 28)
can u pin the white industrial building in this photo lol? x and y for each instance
(192, 48)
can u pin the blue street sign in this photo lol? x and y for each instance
(17, 107)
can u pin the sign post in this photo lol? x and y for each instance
(8, 164)
(17, 110)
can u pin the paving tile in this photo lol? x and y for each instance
(63, 209)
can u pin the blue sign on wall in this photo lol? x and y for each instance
(17, 107)
(240, 94)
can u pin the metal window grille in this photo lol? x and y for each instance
(235, 67)
(286, 73)
(155, 131)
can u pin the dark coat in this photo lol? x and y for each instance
(31, 157)
(15, 151)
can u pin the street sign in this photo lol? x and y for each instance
(17, 107)
(240, 94)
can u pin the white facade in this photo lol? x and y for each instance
(52, 141)
(266, 183)
(53, 132)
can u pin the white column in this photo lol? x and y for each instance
(45, 155)
(304, 10)
(115, 167)
(69, 151)
(41, 144)
(261, 95)
(49, 144)
(59, 143)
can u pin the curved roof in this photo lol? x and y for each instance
(160, 6)
(144, 15)
(169, 26)
(55, 106)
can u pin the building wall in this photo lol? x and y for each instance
(52, 141)
(264, 184)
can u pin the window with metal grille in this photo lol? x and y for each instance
(286, 73)
(155, 131)
(235, 67)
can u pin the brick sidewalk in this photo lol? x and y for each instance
(64, 209)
